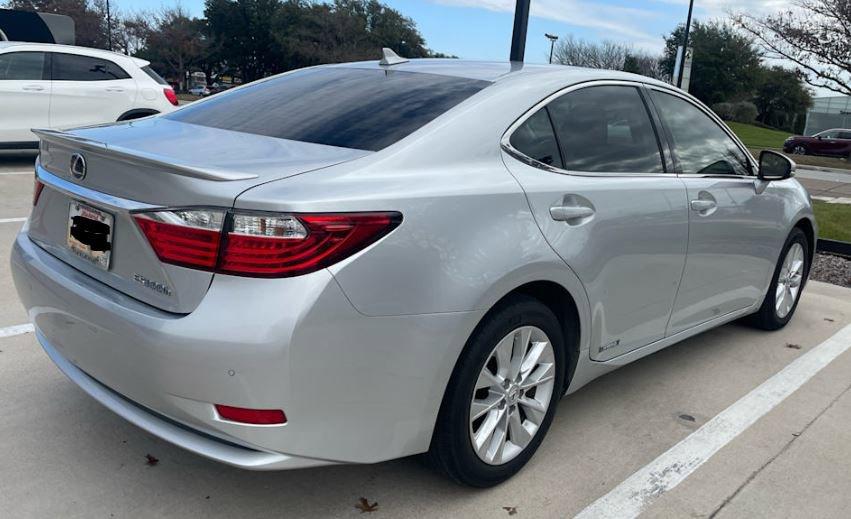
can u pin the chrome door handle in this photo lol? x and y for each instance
(566, 213)
(33, 88)
(702, 206)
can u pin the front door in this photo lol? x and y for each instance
(735, 220)
(25, 94)
(599, 192)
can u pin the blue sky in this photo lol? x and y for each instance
(481, 29)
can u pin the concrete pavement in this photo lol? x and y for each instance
(828, 186)
(65, 455)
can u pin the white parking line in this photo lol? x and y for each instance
(641, 489)
(18, 329)
(12, 220)
(8, 173)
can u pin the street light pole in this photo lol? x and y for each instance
(685, 45)
(518, 37)
(552, 38)
(108, 26)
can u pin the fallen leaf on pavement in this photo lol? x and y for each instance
(150, 460)
(512, 510)
(793, 346)
(364, 506)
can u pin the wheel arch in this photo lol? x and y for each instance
(809, 231)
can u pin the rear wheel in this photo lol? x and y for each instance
(502, 396)
(786, 285)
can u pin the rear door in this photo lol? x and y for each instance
(601, 194)
(735, 220)
(25, 94)
(88, 90)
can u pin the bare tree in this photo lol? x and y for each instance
(580, 53)
(816, 35)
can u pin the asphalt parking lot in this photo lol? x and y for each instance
(732, 423)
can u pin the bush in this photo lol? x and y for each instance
(744, 112)
(741, 111)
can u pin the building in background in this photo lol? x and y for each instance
(828, 113)
(36, 27)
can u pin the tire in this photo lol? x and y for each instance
(452, 448)
(799, 149)
(773, 315)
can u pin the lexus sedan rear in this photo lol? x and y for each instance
(358, 262)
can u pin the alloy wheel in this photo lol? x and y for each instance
(512, 395)
(799, 150)
(789, 280)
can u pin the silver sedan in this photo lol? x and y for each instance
(358, 262)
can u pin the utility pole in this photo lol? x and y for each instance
(108, 26)
(518, 36)
(685, 45)
(552, 38)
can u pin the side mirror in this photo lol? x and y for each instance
(774, 166)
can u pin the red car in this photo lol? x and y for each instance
(836, 142)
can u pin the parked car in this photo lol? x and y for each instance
(200, 90)
(353, 263)
(836, 143)
(60, 86)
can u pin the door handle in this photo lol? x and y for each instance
(33, 88)
(703, 206)
(114, 89)
(567, 213)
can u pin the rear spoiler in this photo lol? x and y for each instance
(138, 157)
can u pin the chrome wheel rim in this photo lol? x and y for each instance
(512, 395)
(789, 280)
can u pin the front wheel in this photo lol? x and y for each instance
(502, 396)
(799, 149)
(786, 285)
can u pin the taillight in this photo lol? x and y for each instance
(38, 187)
(170, 95)
(189, 238)
(261, 244)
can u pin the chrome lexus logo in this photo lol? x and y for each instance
(78, 166)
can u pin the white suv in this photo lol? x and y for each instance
(59, 86)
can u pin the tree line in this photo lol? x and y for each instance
(249, 39)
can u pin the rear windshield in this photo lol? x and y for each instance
(153, 75)
(363, 109)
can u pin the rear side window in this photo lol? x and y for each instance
(153, 75)
(606, 129)
(70, 67)
(364, 109)
(845, 135)
(535, 139)
(22, 66)
(700, 145)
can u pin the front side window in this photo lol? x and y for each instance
(828, 134)
(366, 109)
(22, 66)
(606, 129)
(535, 139)
(700, 145)
(70, 67)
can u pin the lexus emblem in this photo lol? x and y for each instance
(78, 166)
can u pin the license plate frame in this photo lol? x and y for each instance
(89, 234)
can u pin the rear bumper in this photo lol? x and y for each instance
(355, 389)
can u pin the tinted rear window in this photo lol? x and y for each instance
(153, 75)
(71, 67)
(352, 108)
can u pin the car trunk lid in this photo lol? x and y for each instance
(149, 165)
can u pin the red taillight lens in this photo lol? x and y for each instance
(186, 238)
(37, 189)
(251, 416)
(170, 95)
(292, 245)
(261, 245)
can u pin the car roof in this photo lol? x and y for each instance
(497, 71)
(71, 49)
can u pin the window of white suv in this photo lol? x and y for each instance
(71, 67)
(22, 66)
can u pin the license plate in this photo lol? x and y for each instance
(90, 234)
